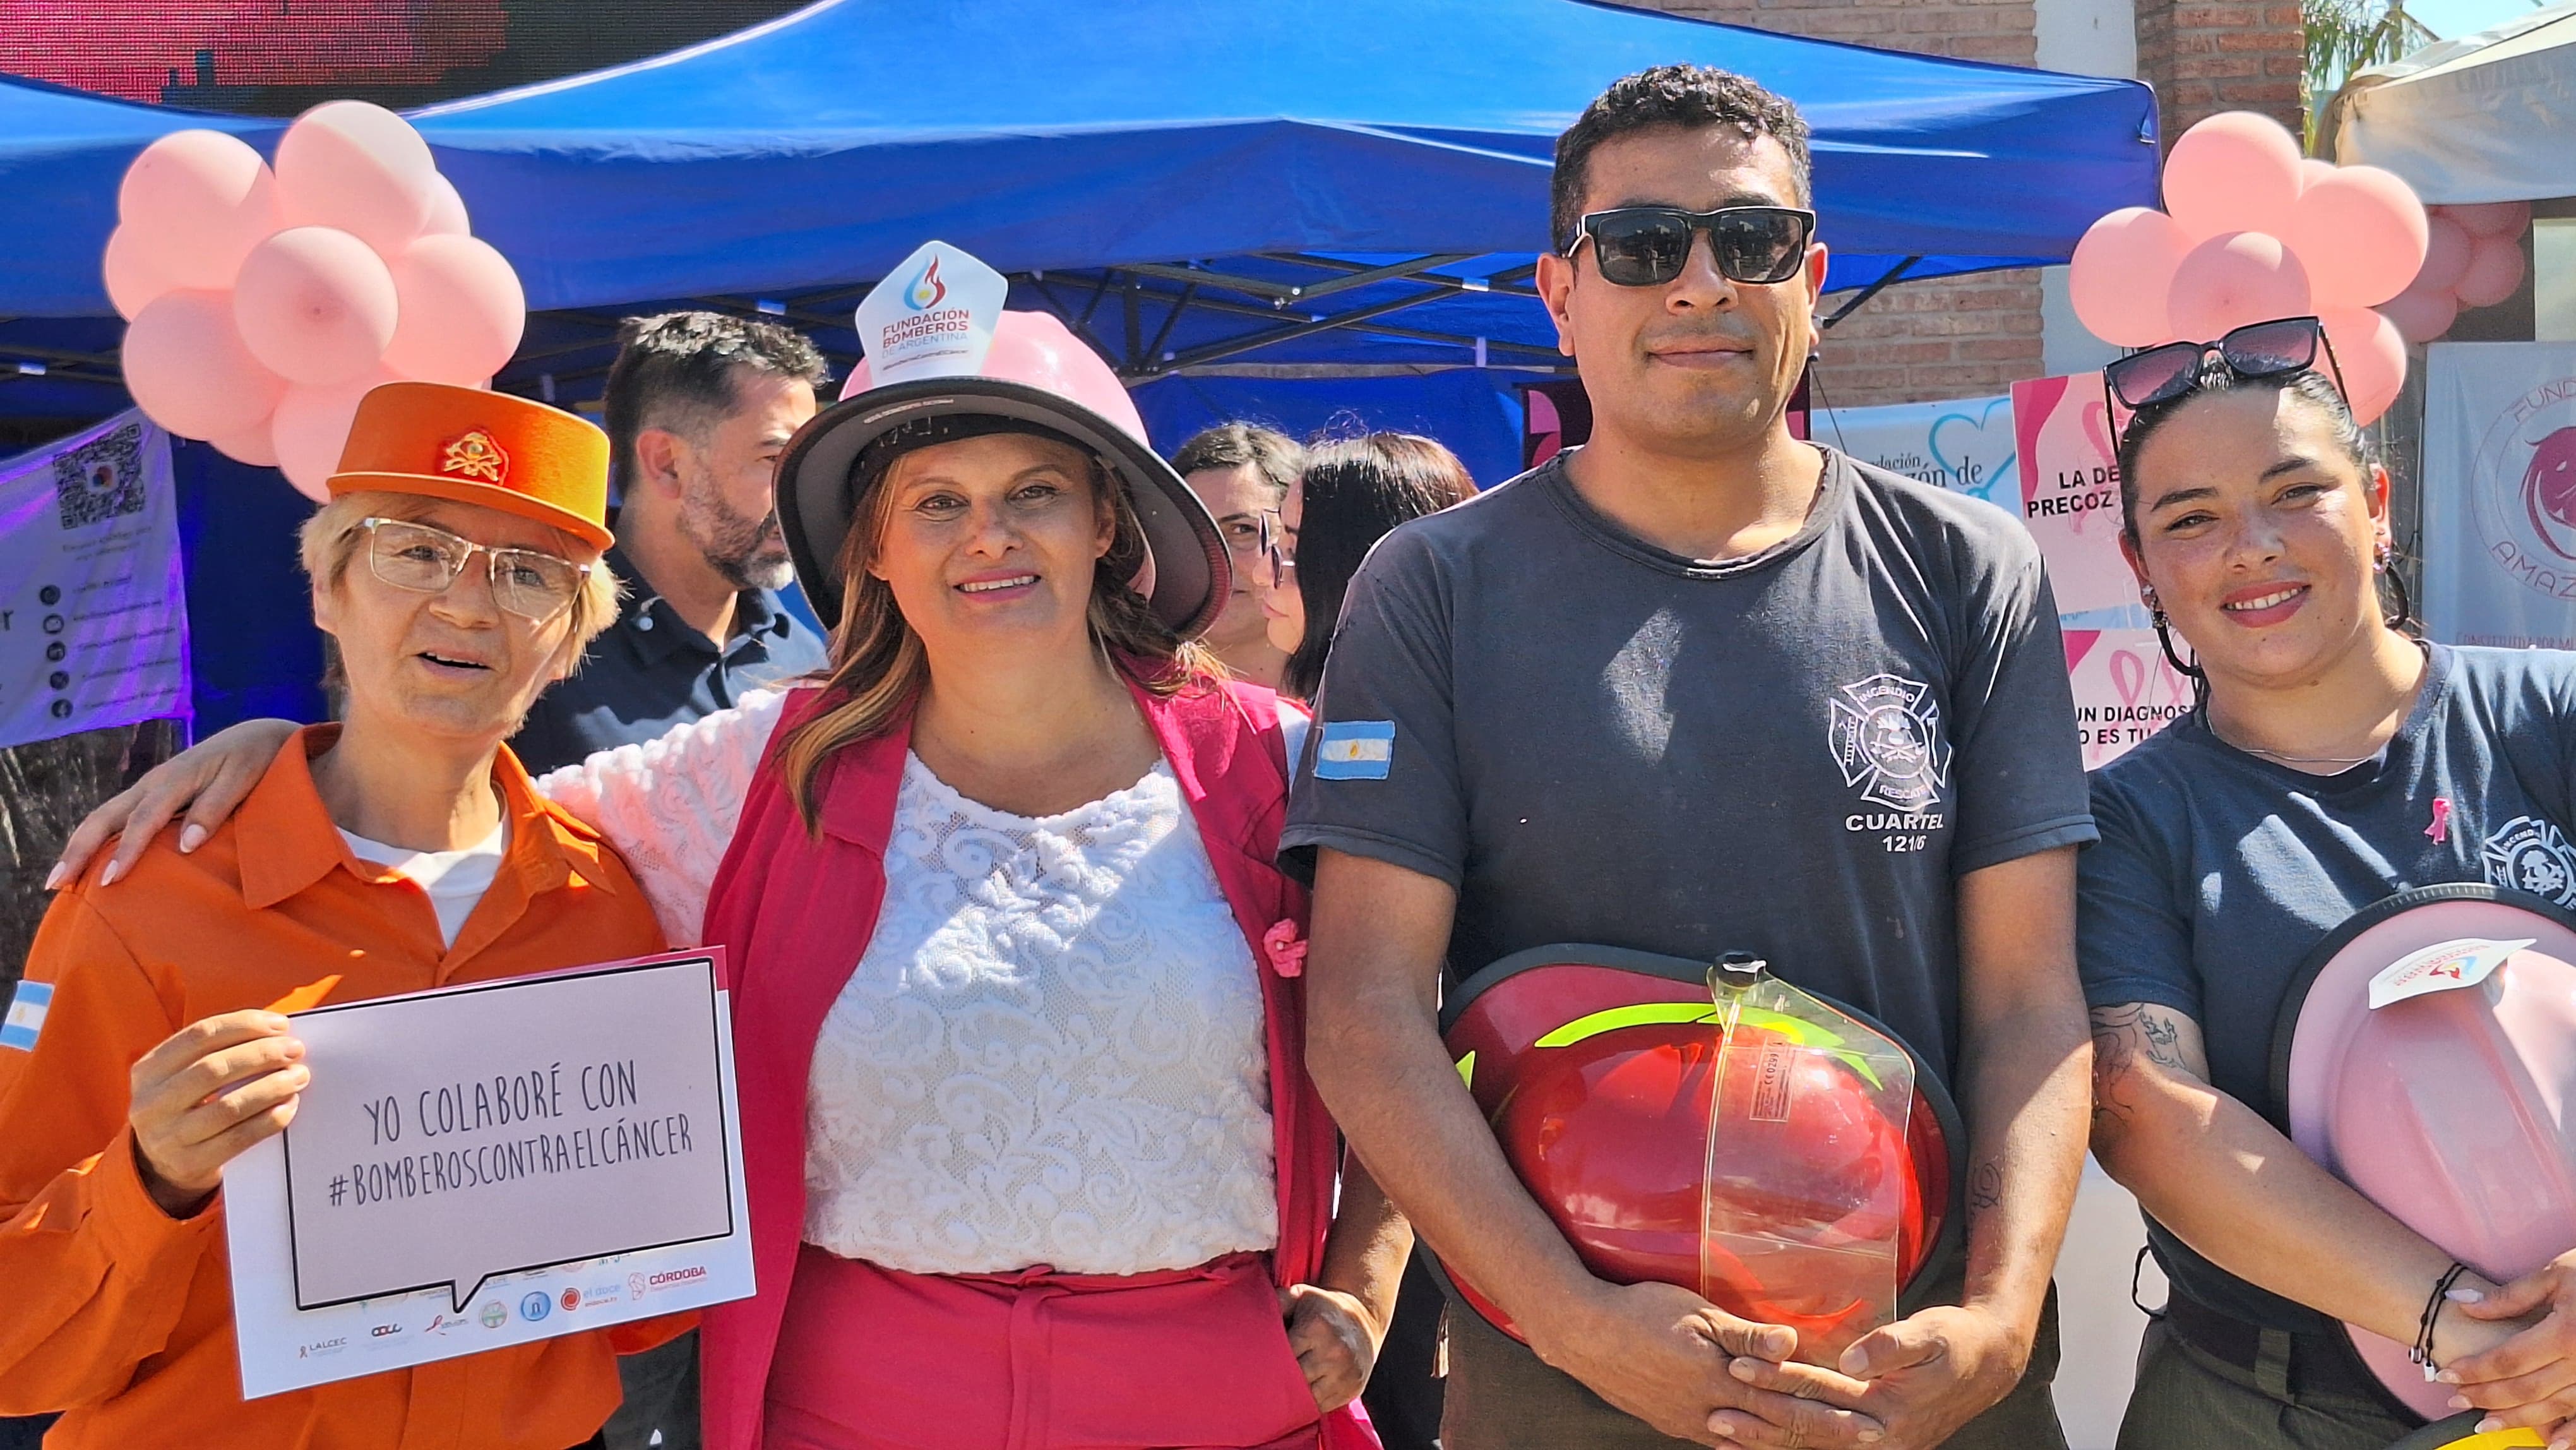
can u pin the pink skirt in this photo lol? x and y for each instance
(871, 1358)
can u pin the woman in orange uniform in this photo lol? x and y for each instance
(457, 567)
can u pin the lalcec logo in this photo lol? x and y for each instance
(2526, 489)
(1887, 739)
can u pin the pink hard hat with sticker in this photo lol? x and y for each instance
(945, 362)
(2427, 1056)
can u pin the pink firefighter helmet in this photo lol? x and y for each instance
(2427, 1057)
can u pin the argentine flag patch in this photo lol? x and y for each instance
(1355, 750)
(26, 1015)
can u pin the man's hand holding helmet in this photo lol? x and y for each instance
(1662, 1353)
(1923, 1377)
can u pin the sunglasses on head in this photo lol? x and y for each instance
(1648, 246)
(2256, 350)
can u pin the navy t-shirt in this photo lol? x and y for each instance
(2218, 872)
(1795, 753)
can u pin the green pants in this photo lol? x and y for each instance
(1501, 1397)
(2188, 1400)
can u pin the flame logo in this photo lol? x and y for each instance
(926, 291)
(2549, 488)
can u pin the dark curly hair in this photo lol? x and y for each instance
(1689, 96)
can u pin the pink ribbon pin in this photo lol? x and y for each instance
(1287, 949)
(2440, 830)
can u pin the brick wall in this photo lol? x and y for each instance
(1924, 339)
(2204, 56)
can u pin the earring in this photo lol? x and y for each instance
(2381, 556)
(2147, 595)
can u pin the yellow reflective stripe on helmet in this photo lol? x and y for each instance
(1467, 1069)
(1643, 1014)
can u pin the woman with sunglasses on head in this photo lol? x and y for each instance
(1032, 1156)
(457, 569)
(1351, 493)
(2333, 759)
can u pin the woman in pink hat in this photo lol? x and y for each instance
(1032, 1153)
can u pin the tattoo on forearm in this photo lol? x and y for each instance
(2123, 1037)
(1986, 1186)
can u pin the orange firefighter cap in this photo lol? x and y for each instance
(480, 447)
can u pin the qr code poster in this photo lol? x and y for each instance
(101, 479)
(93, 610)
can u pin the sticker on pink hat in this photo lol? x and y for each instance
(932, 317)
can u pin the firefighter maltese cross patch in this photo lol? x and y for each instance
(1887, 738)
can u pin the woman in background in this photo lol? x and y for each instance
(1353, 492)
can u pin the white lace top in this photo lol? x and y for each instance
(1052, 1050)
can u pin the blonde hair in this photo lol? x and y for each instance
(879, 666)
(329, 540)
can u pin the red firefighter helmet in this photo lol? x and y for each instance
(1715, 1127)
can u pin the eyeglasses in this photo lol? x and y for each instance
(529, 583)
(1277, 549)
(2256, 350)
(1648, 246)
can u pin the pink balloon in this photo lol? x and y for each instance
(2494, 272)
(195, 203)
(2493, 218)
(2229, 281)
(2312, 170)
(462, 312)
(312, 426)
(2120, 273)
(250, 445)
(189, 371)
(2360, 233)
(2446, 254)
(132, 280)
(316, 305)
(359, 168)
(2235, 172)
(2371, 356)
(446, 210)
(2422, 314)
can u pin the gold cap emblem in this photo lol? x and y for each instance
(475, 455)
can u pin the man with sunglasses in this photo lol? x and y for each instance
(1698, 687)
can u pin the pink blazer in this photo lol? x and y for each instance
(795, 913)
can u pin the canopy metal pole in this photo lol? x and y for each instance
(1872, 290)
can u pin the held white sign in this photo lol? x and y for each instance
(491, 1164)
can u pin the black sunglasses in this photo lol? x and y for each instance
(1647, 246)
(2257, 350)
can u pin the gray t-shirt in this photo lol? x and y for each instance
(1794, 754)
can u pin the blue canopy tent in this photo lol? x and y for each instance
(1293, 208)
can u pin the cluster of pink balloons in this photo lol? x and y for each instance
(2472, 258)
(2253, 231)
(264, 302)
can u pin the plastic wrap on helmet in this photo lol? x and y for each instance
(1734, 1135)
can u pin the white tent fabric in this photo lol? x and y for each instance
(2487, 117)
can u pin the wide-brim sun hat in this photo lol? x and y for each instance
(2426, 1055)
(1032, 375)
(471, 445)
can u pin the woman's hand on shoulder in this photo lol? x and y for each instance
(208, 781)
(1335, 1340)
(2529, 1379)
